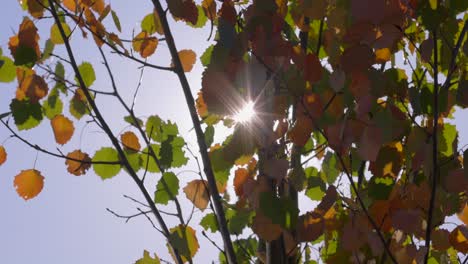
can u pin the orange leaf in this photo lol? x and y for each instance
(70, 4)
(382, 55)
(63, 129)
(144, 44)
(130, 140)
(209, 7)
(3, 155)
(463, 215)
(29, 183)
(458, 238)
(241, 176)
(30, 85)
(27, 37)
(197, 192)
(187, 58)
(75, 167)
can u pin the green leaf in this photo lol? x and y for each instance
(380, 187)
(166, 153)
(209, 135)
(134, 158)
(148, 162)
(7, 70)
(447, 138)
(26, 114)
(208, 222)
(153, 128)
(167, 188)
(87, 73)
(284, 213)
(201, 19)
(329, 168)
(183, 238)
(205, 58)
(237, 220)
(25, 56)
(48, 49)
(116, 21)
(147, 259)
(106, 171)
(148, 24)
(78, 107)
(53, 105)
(55, 35)
(129, 120)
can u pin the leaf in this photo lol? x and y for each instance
(265, 228)
(167, 188)
(284, 212)
(26, 114)
(187, 58)
(130, 141)
(197, 192)
(87, 73)
(447, 138)
(78, 168)
(147, 259)
(209, 135)
(116, 20)
(55, 35)
(329, 168)
(36, 7)
(7, 70)
(29, 183)
(459, 239)
(152, 24)
(184, 239)
(63, 129)
(145, 44)
(241, 176)
(383, 55)
(106, 171)
(312, 68)
(30, 85)
(24, 47)
(78, 104)
(337, 80)
(371, 141)
(209, 222)
(463, 215)
(3, 155)
(184, 9)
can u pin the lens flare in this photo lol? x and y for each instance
(246, 114)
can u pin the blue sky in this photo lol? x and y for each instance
(68, 222)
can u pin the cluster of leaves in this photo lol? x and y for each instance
(326, 86)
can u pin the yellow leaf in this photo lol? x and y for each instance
(75, 167)
(383, 55)
(197, 192)
(3, 155)
(55, 35)
(130, 141)
(187, 58)
(144, 44)
(70, 4)
(63, 129)
(29, 183)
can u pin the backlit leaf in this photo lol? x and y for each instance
(147, 259)
(55, 35)
(7, 70)
(167, 188)
(459, 239)
(106, 171)
(26, 114)
(145, 44)
(36, 7)
(187, 58)
(130, 141)
(3, 155)
(80, 164)
(197, 192)
(87, 73)
(463, 215)
(265, 228)
(116, 20)
(29, 183)
(209, 222)
(184, 9)
(184, 239)
(30, 85)
(63, 129)
(24, 47)
(382, 55)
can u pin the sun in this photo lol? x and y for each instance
(246, 114)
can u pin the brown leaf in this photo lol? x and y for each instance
(241, 176)
(370, 143)
(264, 227)
(312, 68)
(209, 7)
(440, 239)
(184, 9)
(30, 85)
(145, 44)
(357, 58)
(276, 168)
(27, 37)
(63, 129)
(426, 48)
(197, 192)
(310, 227)
(463, 215)
(29, 183)
(3, 155)
(36, 7)
(75, 167)
(300, 132)
(130, 141)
